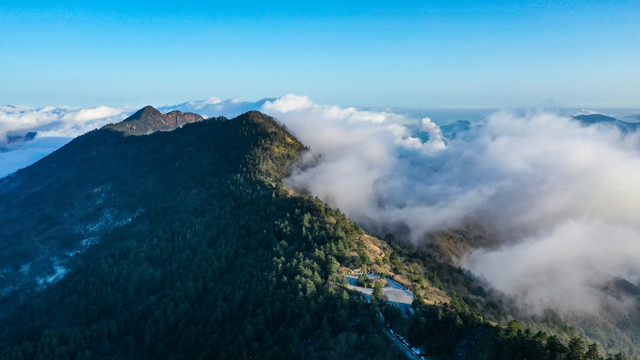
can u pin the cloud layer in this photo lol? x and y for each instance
(54, 127)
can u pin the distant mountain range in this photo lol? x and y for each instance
(453, 130)
(13, 138)
(593, 119)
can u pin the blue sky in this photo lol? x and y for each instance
(418, 54)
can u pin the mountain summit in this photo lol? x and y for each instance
(171, 246)
(149, 120)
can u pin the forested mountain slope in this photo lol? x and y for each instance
(185, 244)
(216, 258)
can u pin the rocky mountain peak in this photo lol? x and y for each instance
(149, 120)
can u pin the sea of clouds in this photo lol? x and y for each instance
(561, 198)
(55, 126)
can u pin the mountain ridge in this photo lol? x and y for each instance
(187, 244)
(149, 120)
(594, 119)
(217, 259)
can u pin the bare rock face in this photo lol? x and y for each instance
(149, 120)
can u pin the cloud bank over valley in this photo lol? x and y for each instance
(562, 198)
(50, 128)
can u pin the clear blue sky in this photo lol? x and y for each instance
(363, 53)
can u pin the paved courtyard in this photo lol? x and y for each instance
(394, 292)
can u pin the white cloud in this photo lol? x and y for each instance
(55, 126)
(16, 156)
(214, 106)
(98, 113)
(563, 267)
(360, 152)
(562, 198)
(52, 121)
(288, 103)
